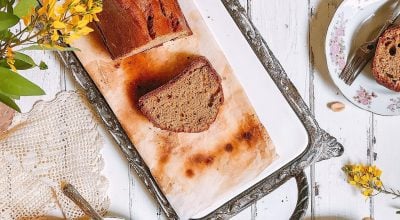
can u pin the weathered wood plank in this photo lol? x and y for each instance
(334, 197)
(284, 25)
(280, 204)
(387, 158)
(49, 80)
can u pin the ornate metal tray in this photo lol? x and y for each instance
(321, 145)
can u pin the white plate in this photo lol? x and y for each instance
(348, 31)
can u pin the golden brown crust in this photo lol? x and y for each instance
(132, 26)
(196, 63)
(385, 67)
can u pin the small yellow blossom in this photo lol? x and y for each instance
(82, 23)
(67, 21)
(10, 59)
(96, 10)
(378, 183)
(85, 31)
(95, 17)
(55, 36)
(72, 36)
(367, 192)
(59, 25)
(79, 8)
(90, 3)
(366, 178)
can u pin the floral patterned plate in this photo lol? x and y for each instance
(353, 23)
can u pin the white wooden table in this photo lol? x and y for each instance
(295, 31)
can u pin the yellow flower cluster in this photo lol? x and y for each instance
(10, 59)
(366, 178)
(67, 21)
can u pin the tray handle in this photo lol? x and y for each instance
(302, 196)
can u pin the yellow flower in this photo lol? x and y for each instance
(71, 18)
(96, 10)
(59, 25)
(79, 9)
(95, 17)
(85, 31)
(61, 10)
(72, 36)
(10, 59)
(82, 23)
(55, 36)
(368, 192)
(366, 178)
(378, 183)
(51, 11)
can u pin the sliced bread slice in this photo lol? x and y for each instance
(188, 103)
(386, 63)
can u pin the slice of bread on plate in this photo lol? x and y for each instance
(188, 103)
(386, 62)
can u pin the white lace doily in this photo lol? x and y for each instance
(57, 141)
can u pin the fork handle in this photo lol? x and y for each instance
(77, 198)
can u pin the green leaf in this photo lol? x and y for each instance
(7, 20)
(3, 3)
(11, 96)
(14, 84)
(23, 61)
(43, 66)
(5, 34)
(9, 102)
(50, 48)
(24, 7)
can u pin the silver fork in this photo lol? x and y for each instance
(73, 194)
(366, 51)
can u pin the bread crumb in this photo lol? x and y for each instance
(336, 106)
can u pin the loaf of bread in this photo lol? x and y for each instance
(128, 27)
(386, 63)
(188, 103)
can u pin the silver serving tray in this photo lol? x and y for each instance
(321, 145)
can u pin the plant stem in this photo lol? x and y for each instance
(388, 191)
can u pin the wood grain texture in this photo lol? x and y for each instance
(278, 20)
(49, 80)
(387, 155)
(353, 127)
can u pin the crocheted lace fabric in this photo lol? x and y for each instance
(57, 141)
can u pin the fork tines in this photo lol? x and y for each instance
(355, 65)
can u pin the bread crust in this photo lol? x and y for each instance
(382, 78)
(128, 27)
(197, 62)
